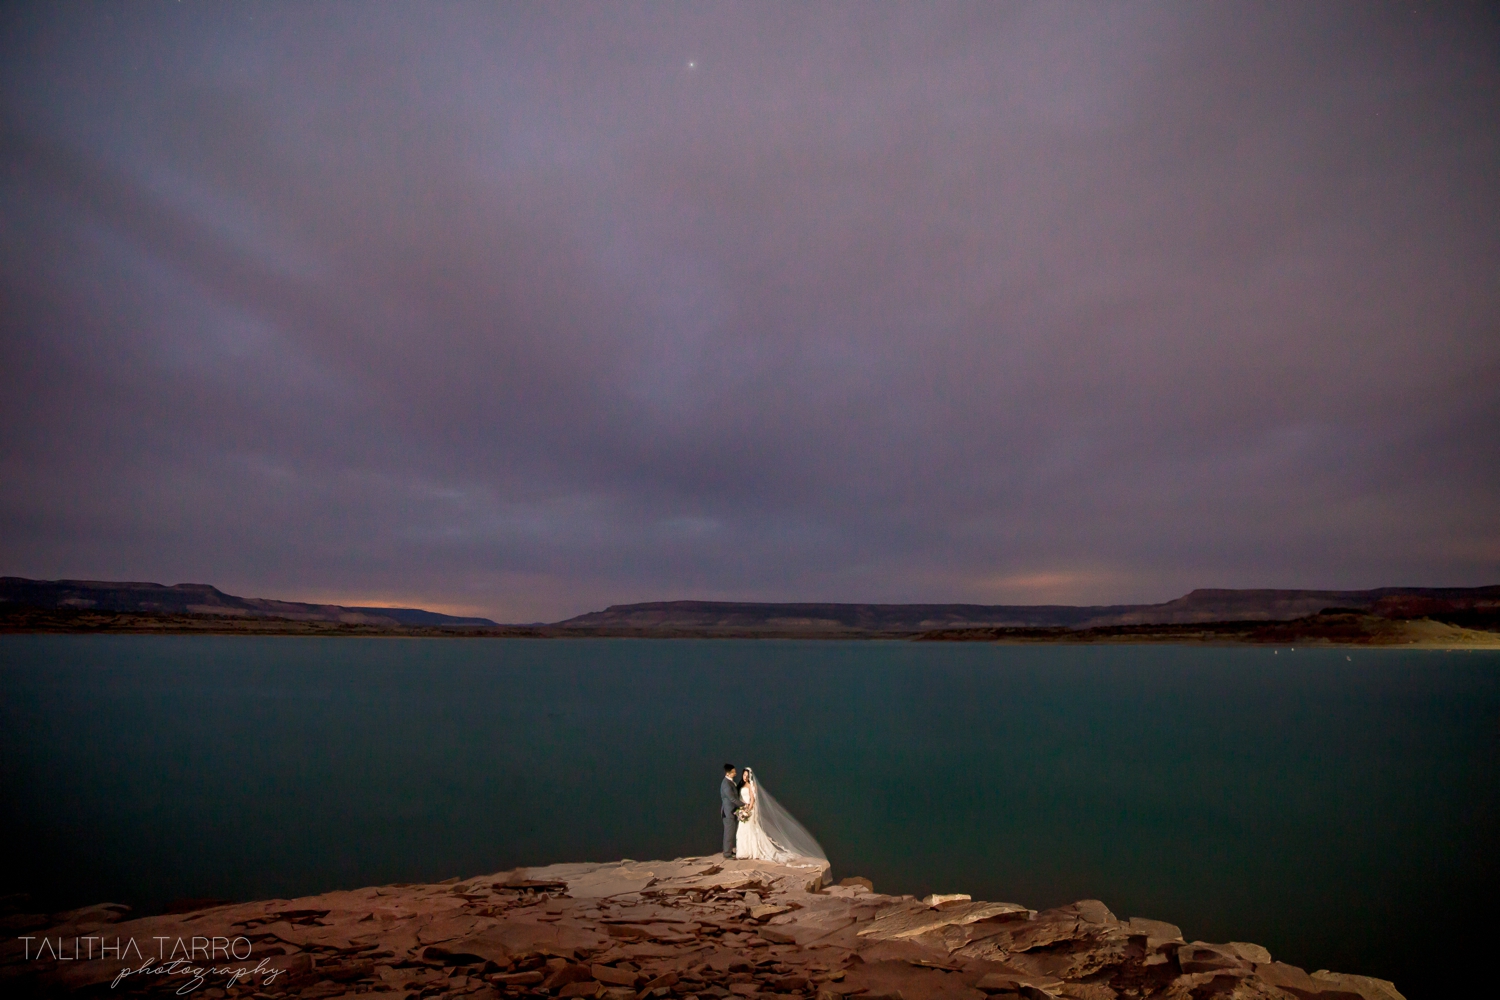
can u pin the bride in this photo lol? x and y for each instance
(768, 832)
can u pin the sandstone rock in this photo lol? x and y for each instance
(1028, 992)
(1045, 929)
(995, 982)
(1221, 986)
(604, 888)
(99, 913)
(1294, 982)
(1086, 991)
(854, 880)
(298, 915)
(891, 977)
(291, 966)
(937, 899)
(1365, 986)
(20, 923)
(909, 921)
(519, 937)
(666, 979)
(627, 931)
(550, 874)
(666, 950)
(695, 926)
(345, 971)
(567, 973)
(1251, 952)
(614, 977)
(1157, 932)
(1093, 911)
(1286, 976)
(1201, 956)
(1074, 960)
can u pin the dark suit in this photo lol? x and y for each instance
(729, 801)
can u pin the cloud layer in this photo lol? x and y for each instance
(511, 310)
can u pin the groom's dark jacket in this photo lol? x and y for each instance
(729, 798)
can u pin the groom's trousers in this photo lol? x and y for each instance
(731, 828)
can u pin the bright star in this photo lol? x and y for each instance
(691, 65)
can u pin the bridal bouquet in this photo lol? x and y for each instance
(742, 814)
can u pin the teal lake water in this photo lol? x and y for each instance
(1328, 804)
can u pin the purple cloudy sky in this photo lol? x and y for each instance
(526, 309)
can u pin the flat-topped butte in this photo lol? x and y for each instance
(630, 930)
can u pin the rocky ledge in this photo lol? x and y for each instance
(631, 930)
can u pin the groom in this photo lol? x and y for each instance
(729, 801)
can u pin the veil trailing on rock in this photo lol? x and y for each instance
(779, 825)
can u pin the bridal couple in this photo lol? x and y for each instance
(756, 826)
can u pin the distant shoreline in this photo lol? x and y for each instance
(1327, 630)
(1437, 617)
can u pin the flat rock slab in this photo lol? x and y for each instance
(909, 922)
(649, 930)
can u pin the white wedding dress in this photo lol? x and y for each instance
(770, 833)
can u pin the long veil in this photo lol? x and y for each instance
(783, 830)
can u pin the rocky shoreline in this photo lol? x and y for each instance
(628, 930)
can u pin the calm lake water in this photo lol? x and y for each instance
(1332, 805)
